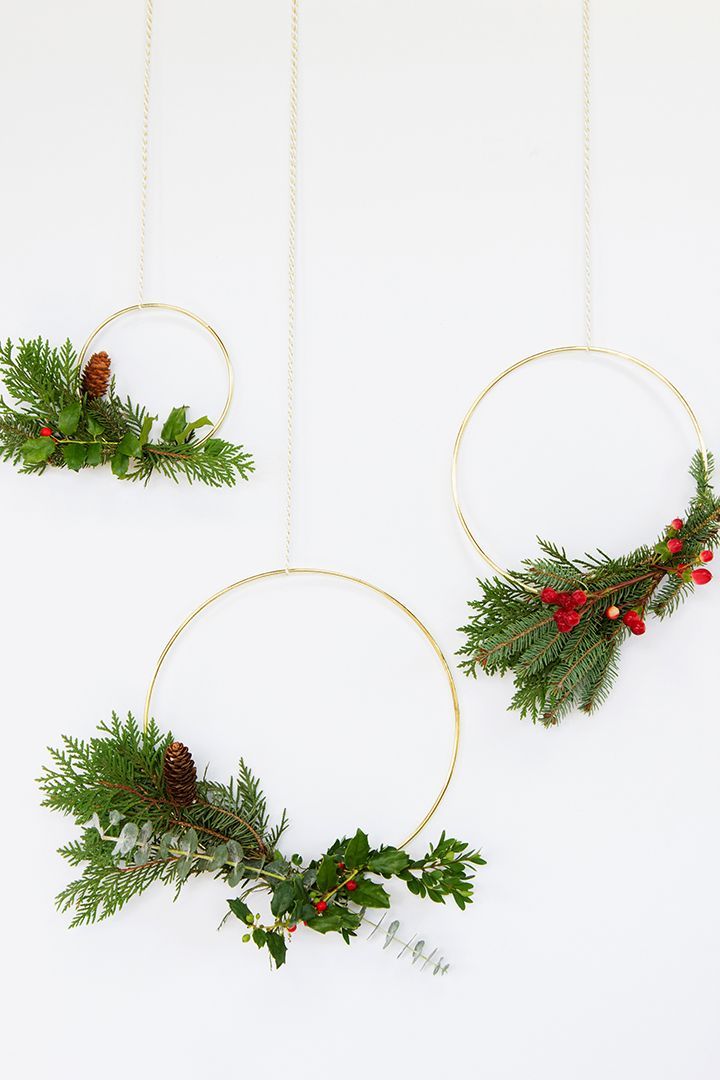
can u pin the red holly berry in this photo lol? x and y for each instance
(638, 627)
(612, 612)
(676, 524)
(675, 545)
(351, 886)
(706, 556)
(321, 906)
(566, 601)
(549, 596)
(566, 620)
(579, 597)
(341, 866)
(701, 576)
(46, 431)
(630, 618)
(292, 929)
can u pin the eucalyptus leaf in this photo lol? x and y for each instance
(127, 839)
(234, 852)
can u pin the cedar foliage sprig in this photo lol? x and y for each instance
(560, 663)
(85, 431)
(133, 835)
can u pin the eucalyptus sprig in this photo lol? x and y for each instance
(558, 626)
(133, 833)
(57, 422)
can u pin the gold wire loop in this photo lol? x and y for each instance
(365, 585)
(584, 349)
(196, 319)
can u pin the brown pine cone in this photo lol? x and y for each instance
(180, 774)
(96, 376)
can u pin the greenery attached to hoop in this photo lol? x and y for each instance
(568, 657)
(71, 417)
(146, 817)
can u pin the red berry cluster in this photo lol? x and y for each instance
(567, 615)
(699, 575)
(634, 622)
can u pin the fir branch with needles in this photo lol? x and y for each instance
(70, 416)
(146, 818)
(559, 624)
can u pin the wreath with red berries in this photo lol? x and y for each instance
(568, 657)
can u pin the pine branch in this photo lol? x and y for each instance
(559, 626)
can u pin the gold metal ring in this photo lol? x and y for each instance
(378, 592)
(196, 319)
(500, 570)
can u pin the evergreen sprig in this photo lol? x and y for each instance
(569, 658)
(86, 431)
(133, 835)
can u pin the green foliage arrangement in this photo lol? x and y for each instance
(122, 788)
(73, 418)
(568, 658)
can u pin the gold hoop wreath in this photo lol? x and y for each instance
(146, 816)
(86, 424)
(558, 623)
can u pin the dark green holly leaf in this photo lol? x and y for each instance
(325, 924)
(388, 861)
(129, 445)
(37, 451)
(94, 454)
(69, 418)
(74, 455)
(119, 464)
(370, 894)
(93, 424)
(259, 937)
(277, 947)
(326, 878)
(175, 424)
(357, 850)
(282, 898)
(239, 908)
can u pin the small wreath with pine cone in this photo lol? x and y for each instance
(145, 817)
(70, 416)
(558, 625)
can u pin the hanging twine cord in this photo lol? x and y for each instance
(292, 262)
(587, 192)
(144, 149)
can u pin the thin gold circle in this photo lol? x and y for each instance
(500, 570)
(196, 319)
(365, 585)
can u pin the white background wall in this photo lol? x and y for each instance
(440, 205)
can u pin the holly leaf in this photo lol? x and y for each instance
(277, 947)
(37, 451)
(283, 898)
(325, 924)
(119, 464)
(259, 937)
(370, 894)
(93, 424)
(388, 860)
(241, 910)
(94, 454)
(74, 455)
(129, 445)
(357, 850)
(326, 878)
(69, 418)
(175, 424)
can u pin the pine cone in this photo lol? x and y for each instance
(96, 376)
(180, 774)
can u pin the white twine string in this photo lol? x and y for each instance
(292, 291)
(144, 150)
(587, 204)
